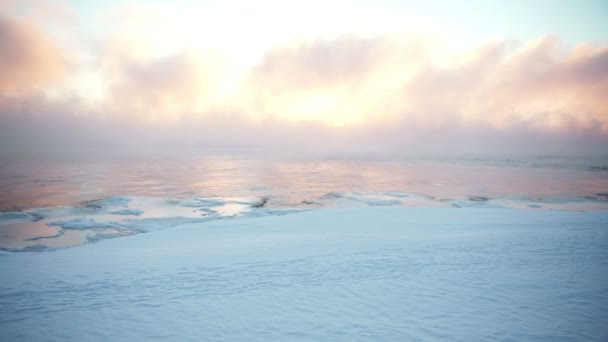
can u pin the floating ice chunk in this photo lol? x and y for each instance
(477, 204)
(373, 199)
(108, 234)
(233, 209)
(379, 201)
(82, 223)
(153, 224)
(59, 233)
(206, 211)
(15, 217)
(396, 194)
(202, 202)
(272, 212)
(261, 203)
(116, 201)
(332, 196)
(478, 198)
(132, 212)
(31, 248)
(61, 211)
(250, 201)
(307, 202)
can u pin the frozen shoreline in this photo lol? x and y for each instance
(43, 229)
(373, 273)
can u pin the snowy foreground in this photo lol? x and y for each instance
(386, 274)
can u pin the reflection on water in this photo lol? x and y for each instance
(17, 234)
(59, 204)
(50, 183)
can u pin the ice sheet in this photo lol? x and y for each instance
(368, 273)
(127, 215)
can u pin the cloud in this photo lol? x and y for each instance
(320, 63)
(542, 83)
(161, 89)
(351, 94)
(338, 81)
(29, 61)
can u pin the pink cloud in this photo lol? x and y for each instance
(406, 96)
(543, 83)
(171, 86)
(29, 60)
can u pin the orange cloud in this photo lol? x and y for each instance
(335, 81)
(161, 89)
(542, 83)
(370, 94)
(29, 61)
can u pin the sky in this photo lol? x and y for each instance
(304, 78)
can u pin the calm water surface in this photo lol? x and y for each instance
(31, 184)
(58, 203)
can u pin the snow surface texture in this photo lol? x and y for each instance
(377, 273)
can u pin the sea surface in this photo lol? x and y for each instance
(50, 203)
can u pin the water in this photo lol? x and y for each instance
(59, 203)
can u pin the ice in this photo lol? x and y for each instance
(396, 194)
(568, 204)
(112, 202)
(332, 196)
(272, 212)
(202, 202)
(478, 198)
(133, 212)
(360, 199)
(125, 215)
(373, 199)
(59, 211)
(474, 203)
(387, 198)
(137, 214)
(82, 223)
(15, 216)
(153, 224)
(369, 273)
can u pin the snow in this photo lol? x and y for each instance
(368, 273)
(36, 228)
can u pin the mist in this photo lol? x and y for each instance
(64, 135)
(384, 95)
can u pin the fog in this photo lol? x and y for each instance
(347, 95)
(63, 135)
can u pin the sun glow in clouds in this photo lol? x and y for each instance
(368, 65)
